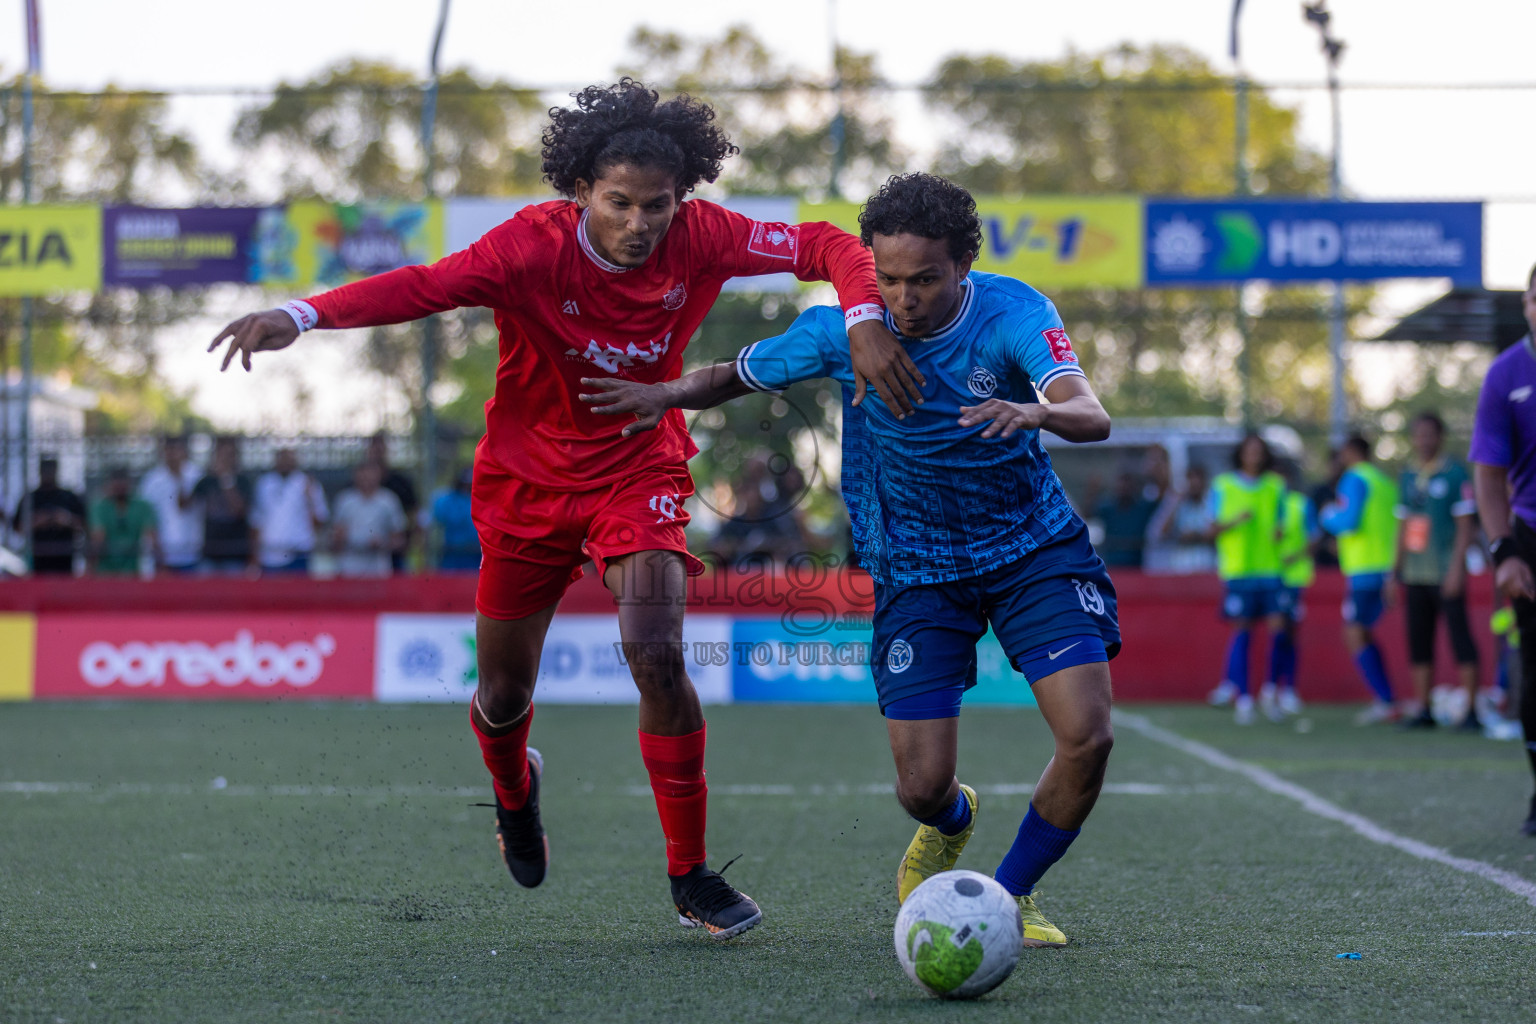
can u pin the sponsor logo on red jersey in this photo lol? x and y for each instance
(675, 298)
(1061, 345)
(611, 357)
(780, 241)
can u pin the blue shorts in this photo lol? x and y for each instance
(1363, 606)
(1253, 599)
(1291, 605)
(1051, 609)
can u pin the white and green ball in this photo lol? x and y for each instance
(958, 935)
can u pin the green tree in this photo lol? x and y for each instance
(112, 147)
(1149, 121)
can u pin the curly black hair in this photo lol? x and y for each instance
(626, 123)
(927, 206)
(1269, 453)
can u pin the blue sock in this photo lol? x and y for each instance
(1375, 672)
(1282, 660)
(1237, 661)
(1038, 845)
(953, 819)
(1288, 662)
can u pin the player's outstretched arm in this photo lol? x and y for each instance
(648, 403)
(1074, 413)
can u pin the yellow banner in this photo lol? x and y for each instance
(1052, 243)
(48, 249)
(18, 639)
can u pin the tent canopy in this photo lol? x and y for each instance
(1464, 314)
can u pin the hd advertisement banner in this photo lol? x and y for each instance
(1054, 243)
(1228, 242)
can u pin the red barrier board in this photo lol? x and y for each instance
(194, 656)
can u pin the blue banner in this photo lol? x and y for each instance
(1230, 241)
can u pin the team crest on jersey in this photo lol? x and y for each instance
(779, 241)
(899, 659)
(667, 506)
(982, 382)
(1061, 345)
(675, 298)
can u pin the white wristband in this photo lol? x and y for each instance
(858, 314)
(304, 316)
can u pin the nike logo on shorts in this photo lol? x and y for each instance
(1053, 655)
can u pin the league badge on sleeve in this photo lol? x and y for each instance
(1061, 345)
(777, 240)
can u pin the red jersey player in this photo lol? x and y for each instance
(613, 280)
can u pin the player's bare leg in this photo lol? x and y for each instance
(507, 652)
(651, 589)
(926, 787)
(1075, 704)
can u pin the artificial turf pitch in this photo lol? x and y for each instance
(340, 872)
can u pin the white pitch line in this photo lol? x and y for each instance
(719, 790)
(1314, 804)
(1496, 935)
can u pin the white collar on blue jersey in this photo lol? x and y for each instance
(586, 246)
(967, 300)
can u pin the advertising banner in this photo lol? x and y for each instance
(321, 245)
(18, 639)
(773, 664)
(258, 656)
(1226, 242)
(432, 658)
(143, 247)
(47, 249)
(1053, 243)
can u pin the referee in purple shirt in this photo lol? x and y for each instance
(1504, 473)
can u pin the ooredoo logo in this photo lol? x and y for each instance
(232, 663)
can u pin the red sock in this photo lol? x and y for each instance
(507, 758)
(676, 766)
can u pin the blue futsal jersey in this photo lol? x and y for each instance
(931, 501)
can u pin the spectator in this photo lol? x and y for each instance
(290, 506)
(450, 513)
(1439, 519)
(370, 525)
(58, 520)
(1180, 531)
(398, 484)
(1125, 518)
(1504, 478)
(225, 495)
(121, 524)
(178, 521)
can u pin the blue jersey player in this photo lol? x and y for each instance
(958, 517)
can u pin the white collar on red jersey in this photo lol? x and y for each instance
(586, 246)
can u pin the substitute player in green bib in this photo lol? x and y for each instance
(1439, 518)
(1297, 534)
(1364, 519)
(1245, 507)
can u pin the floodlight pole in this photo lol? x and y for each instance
(1338, 407)
(427, 423)
(1240, 118)
(24, 434)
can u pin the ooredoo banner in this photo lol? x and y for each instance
(192, 657)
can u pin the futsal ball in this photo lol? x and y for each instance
(958, 935)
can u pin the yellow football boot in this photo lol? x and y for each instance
(1037, 930)
(931, 852)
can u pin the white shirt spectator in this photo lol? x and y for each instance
(365, 525)
(181, 529)
(286, 510)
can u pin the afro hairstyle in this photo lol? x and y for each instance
(927, 206)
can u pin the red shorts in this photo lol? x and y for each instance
(534, 540)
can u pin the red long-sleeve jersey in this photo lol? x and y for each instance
(565, 313)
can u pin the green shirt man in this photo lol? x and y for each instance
(1431, 499)
(118, 528)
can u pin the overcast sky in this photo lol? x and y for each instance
(1424, 143)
